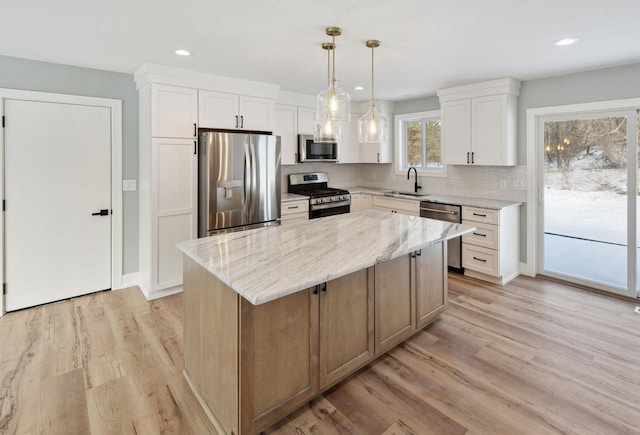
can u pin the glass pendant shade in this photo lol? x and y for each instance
(335, 103)
(327, 131)
(373, 126)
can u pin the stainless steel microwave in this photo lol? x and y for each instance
(310, 151)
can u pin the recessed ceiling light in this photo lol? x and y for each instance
(358, 88)
(565, 41)
(182, 52)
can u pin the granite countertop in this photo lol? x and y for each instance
(492, 204)
(288, 197)
(272, 262)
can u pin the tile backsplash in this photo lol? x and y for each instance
(493, 182)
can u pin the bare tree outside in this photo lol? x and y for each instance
(423, 143)
(585, 198)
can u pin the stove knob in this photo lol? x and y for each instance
(322, 200)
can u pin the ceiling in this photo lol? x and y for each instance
(425, 44)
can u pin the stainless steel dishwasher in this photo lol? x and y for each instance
(448, 213)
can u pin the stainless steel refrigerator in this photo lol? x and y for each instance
(238, 181)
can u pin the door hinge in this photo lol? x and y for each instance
(2, 121)
(4, 206)
(4, 288)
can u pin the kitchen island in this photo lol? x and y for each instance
(274, 316)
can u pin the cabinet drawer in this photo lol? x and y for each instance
(292, 207)
(483, 215)
(294, 217)
(405, 206)
(480, 259)
(485, 235)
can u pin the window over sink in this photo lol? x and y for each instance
(418, 143)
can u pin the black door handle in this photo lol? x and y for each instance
(103, 212)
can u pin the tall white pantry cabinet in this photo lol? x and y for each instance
(168, 183)
(169, 101)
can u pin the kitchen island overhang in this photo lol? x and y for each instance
(274, 316)
(271, 262)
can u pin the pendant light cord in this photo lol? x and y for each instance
(333, 51)
(372, 100)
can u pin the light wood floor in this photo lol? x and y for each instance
(532, 357)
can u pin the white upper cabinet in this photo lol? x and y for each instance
(349, 147)
(479, 123)
(287, 128)
(236, 112)
(174, 112)
(218, 110)
(457, 131)
(306, 118)
(257, 113)
(351, 150)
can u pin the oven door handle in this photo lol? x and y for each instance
(330, 205)
(433, 210)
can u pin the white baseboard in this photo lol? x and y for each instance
(163, 293)
(525, 269)
(129, 280)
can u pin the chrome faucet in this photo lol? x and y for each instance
(416, 187)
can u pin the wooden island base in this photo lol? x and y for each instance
(251, 365)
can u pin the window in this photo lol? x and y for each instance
(418, 143)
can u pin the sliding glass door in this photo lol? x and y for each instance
(589, 213)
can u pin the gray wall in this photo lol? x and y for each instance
(62, 79)
(617, 83)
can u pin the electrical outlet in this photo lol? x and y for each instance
(519, 185)
(454, 181)
(503, 184)
(128, 185)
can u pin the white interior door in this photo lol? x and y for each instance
(57, 174)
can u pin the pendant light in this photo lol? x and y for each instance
(325, 129)
(372, 126)
(334, 103)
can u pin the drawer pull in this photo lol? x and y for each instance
(480, 259)
(292, 207)
(478, 234)
(479, 214)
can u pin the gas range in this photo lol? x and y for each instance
(323, 200)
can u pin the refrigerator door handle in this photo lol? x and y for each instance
(246, 205)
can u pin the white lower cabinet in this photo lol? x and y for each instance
(170, 215)
(361, 201)
(491, 251)
(294, 211)
(396, 205)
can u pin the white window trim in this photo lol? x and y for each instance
(399, 148)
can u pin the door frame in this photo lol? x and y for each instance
(534, 166)
(115, 107)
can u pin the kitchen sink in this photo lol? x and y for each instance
(398, 193)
